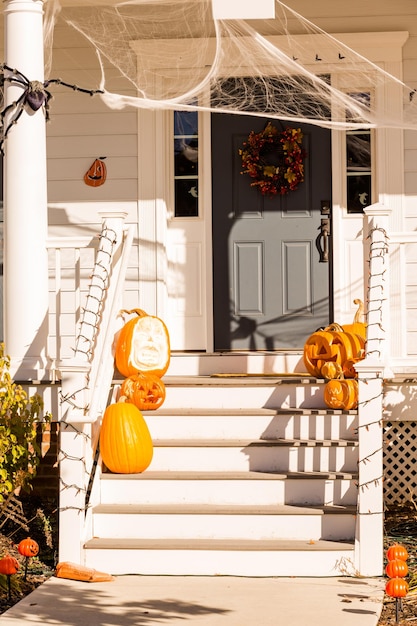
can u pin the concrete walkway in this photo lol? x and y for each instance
(202, 601)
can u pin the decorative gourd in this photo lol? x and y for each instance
(28, 547)
(125, 442)
(331, 344)
(9, 565)
(146, 391)
(330, 369)
(397, 568)
(341, 394)
(358, 327)
(396, 588)
(397, 551)
(142, 345)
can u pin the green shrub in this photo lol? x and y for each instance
(20, 418)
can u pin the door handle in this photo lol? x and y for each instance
(323, 240)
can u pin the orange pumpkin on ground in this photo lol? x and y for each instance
(125, 441)
(142, 345)
(146, 391)
(397, 551)
(396, 588)
(28, 547)
(9, 565)
(397, 568)
(341, 394)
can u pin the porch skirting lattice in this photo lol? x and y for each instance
(400, 452)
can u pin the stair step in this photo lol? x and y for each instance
(259, 455)
(246, 443)
(298, 488)
(220, 557)
(207, 521)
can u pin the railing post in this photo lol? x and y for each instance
(371, 372)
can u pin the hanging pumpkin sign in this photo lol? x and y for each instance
(97, 173)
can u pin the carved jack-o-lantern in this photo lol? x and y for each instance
(331, 344)
(97, 173)
(341, 394)
(146, 391)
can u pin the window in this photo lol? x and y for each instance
(186, 163)
(359, 164)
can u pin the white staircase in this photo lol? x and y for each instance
(251, 476)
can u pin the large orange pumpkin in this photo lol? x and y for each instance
(142, 345)
(146, 391)
(125, 441)
(341, 394)
(331, 344)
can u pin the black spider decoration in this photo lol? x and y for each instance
(35, 95)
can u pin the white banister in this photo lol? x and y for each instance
(86, 380)
(371, 372)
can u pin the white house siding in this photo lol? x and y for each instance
(81, 129)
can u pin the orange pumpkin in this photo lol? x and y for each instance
(397, 551)
(9, 565)
(28, 547)
(397, 568)
(358, 327)
(349, 370)
(341, 394)
(125, 442)
(330, 369)
(331, 344)
(142, 345)
(146, 391)
(396, 588)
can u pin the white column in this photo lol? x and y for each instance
(25, 201)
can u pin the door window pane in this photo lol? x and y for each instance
(186, 163)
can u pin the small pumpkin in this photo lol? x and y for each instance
(348, 368)
(146, 391)
(397, 551)
(28, 547)
(397, 568)
(142, 345)
(125, 441)
(9, 565)
(396, 588)
(358, 327)
(341, 394)
(330, 369)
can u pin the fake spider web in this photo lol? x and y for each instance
(174, 55)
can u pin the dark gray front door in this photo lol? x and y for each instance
(271, 286)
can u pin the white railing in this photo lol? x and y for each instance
(86, 376)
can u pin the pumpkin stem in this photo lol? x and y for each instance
(334, 328)
(123, 399)
(139, 312)
(358, 319)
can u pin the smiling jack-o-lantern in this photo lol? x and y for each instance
(331, 344)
